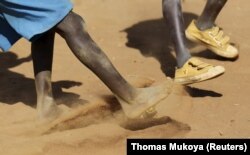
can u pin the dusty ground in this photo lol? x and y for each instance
(135, 37)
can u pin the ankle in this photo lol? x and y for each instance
(202, 26)
(182, 60)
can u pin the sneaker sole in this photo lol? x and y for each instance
(213, 49)
(211, 73)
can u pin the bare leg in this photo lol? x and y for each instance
(210, 13)
(73, 30)
(42, 54)
(172, 12)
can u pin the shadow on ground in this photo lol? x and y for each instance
(152, 39)
(15, 87)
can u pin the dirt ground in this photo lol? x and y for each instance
(135, 37)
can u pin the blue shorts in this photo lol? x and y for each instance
(29, 18)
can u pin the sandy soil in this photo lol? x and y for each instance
(135, 37)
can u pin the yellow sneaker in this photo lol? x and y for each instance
(213, 39)
(194, 70)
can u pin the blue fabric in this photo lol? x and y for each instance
(29, 18)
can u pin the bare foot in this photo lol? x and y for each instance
(147, 98)
(48, 110)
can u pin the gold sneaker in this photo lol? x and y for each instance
(213, 39)
(195, 70)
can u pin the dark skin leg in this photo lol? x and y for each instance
(86, 50)
(210, 13)
(42, 55)
(172, 12)
(133, 100)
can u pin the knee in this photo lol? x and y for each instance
(72, 24)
